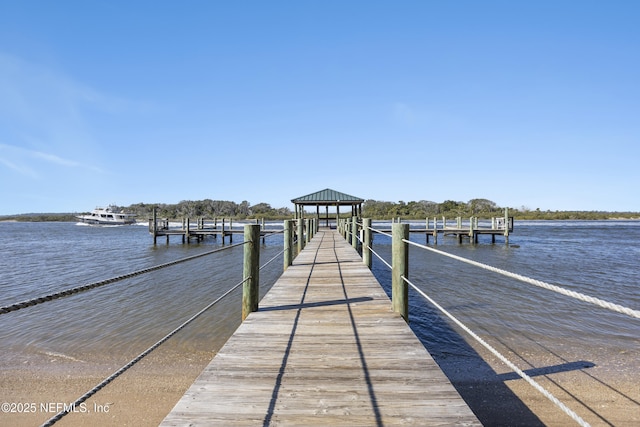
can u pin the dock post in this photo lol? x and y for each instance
(400, 268)
(307, 237)
(300, 234)
(222, 231)
(288, 243)
(354, 232)
(472, 234)
(155, 226)
(366, 242)
(426, 230)
(435, 230)
(251, 269)
(230, 230)
(506, 226)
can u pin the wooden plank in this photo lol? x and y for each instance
(325, 348)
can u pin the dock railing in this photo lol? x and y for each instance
(360, 234)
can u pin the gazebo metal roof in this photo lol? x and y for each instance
(327, 197)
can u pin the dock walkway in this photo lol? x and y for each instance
(325, 348)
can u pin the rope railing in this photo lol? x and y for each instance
(499, 355)
(604, 304)
(558, 289)
(381, 259)
(276, 256)
(76, 290)
(380, 232)
(135, 360)
(253, 240)
(573, 294)
(274, 233)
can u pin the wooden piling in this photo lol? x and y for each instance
(288, 243)
(300, 234)
(354, 232)
(251, 269)
(366, 242)
(155, 227)
(400, 268)
(506, 226)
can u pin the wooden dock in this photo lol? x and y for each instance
(324, 348)
(471, 230)
(198, 231)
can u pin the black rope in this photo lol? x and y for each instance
(120, 371)
(72, 291)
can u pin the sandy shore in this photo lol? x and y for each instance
(144, 394)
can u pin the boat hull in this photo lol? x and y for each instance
(94, 221)
(107, 216)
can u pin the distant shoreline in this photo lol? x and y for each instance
(561, 216)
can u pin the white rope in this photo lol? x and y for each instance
(577, 295)
(272, 259)
(380, 258)
(380, 232)
(506, 361)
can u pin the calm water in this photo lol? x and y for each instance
(533, 326)
(595, 258)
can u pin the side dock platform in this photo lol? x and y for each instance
(324, 348)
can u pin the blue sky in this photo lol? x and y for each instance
(529, 104)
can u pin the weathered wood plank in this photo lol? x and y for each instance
(325, 348)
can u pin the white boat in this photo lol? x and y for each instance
(107, 216)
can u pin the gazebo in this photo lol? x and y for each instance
(326, 198)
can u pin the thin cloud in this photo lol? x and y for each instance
(21, 169)
(31, 92)
(46, 116)
(52, 158)
(19, 159)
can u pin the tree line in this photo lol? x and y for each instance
(374, 209)
(209, 209)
